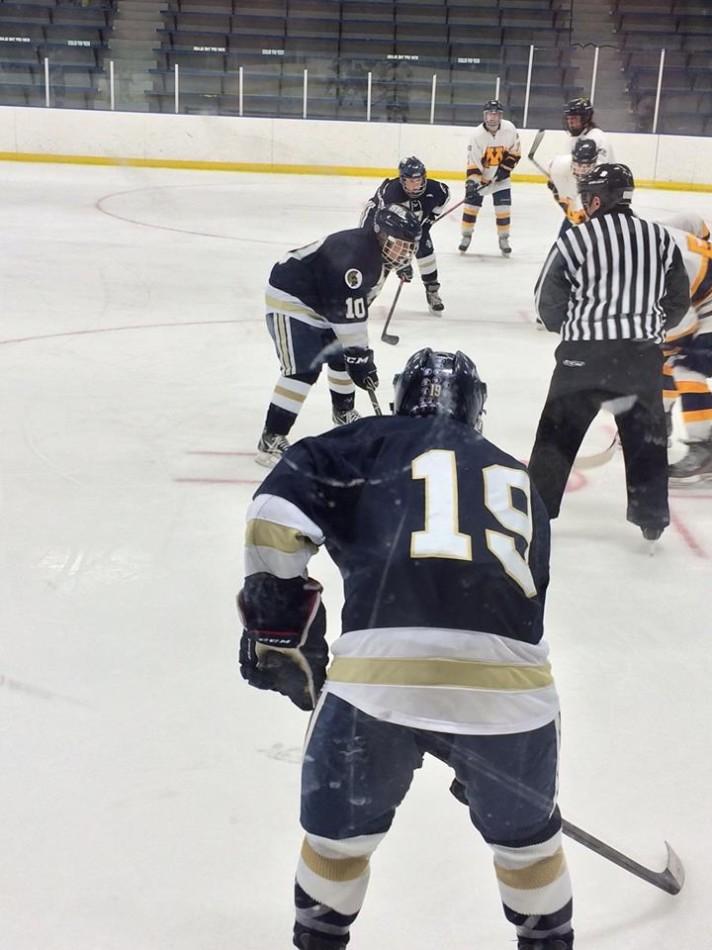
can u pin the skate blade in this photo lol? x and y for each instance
(689, 481)
(266, 460)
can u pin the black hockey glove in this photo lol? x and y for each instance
(283, 645)
(471, 189)
(405, 273)
(502, 173)
(360, 366)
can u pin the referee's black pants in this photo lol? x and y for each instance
(624, 377)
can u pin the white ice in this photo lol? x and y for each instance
(148, 797)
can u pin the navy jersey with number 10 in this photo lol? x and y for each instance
(444, 551)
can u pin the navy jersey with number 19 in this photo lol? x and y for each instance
(444, 552)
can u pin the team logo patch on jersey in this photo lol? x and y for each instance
(353, 278)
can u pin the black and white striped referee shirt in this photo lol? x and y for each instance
(614, 277)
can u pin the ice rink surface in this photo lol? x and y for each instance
(149, 798)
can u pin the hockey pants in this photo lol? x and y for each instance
(623, 377)
(358, 769)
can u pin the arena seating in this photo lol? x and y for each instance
(467, 44)
(73, 38)
(684, 29)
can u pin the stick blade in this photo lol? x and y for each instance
(673, 877)
(585, 462)
(536, 143)
(390, 338)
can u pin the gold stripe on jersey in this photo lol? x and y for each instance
(267, 534)
(276, 302)
(340, 381)
(288, 394)
(407, 671)
(539, 874)
(280, 511)
(692, 386)
(333, 869)
(696, 415)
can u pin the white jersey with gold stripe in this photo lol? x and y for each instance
(486, 150)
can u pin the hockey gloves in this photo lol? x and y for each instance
(283, 646)
(360, 366)
(472, 189)
(502, 173)
(405, 273)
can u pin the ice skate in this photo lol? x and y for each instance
(464, 243)
(504, 244)
(694, 466)
(434, 302)
(560, 942)
(312, 942)
(342, 417)
(270, 449)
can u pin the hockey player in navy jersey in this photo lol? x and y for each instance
(443, 548)
(426, 199)
(317, 303)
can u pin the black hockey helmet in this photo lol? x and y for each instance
(613, 184)
(581, 109)
(398, 231)
(435, 383)
(583, 157)
(494, 108)
(409, 171)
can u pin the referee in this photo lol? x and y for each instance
(611, 287)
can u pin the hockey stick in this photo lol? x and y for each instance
(374, 402)
(535, 145)
(585, 462)
(387, 337)
(532, 152)
(446, 213)
(670, 879)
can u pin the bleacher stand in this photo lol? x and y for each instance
(684, 29)
(466, 44)
(73, 39)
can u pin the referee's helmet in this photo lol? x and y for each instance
(613, 184)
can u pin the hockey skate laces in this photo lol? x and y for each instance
(397, 251)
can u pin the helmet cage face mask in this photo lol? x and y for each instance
(398, 231)
(492, 115)
(413, 186)
(577, 115)
(582, 170)
(397, 251)
(413, 176)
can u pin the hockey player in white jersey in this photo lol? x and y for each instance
(688, 367)
(565, 172)
(492, 154)
(578, 122)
